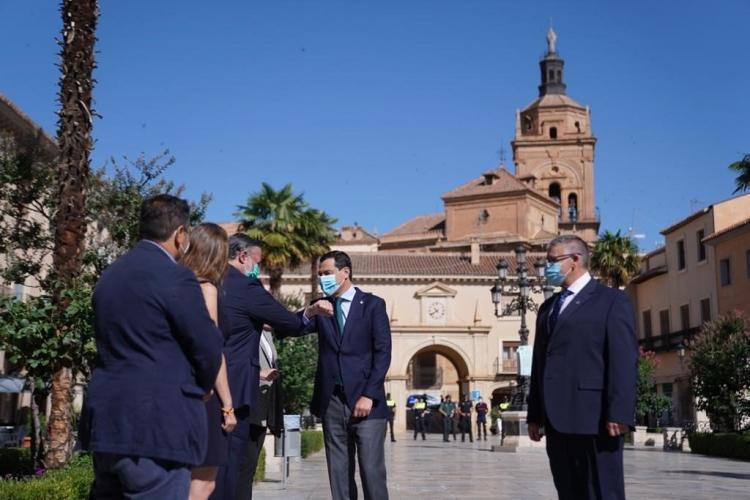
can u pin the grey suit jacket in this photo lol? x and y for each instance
(260, 414)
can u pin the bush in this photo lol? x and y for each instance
(729, 445)
(15, 462)
(260, 469)
(71, 483)
(312, 441)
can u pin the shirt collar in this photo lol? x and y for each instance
(349, 294)
(162, 249)
(580, 283)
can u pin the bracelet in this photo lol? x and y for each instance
(227, 411)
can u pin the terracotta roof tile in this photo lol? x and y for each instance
(503, 182)
(418, 225)
(426, 264)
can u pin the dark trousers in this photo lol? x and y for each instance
(465, 424)
(228, 474)
(244, 490)
(122, 476)
(419, 425)
(390, 426)
(347, 440)
(481, 427)
(448, 427)
(586, 467)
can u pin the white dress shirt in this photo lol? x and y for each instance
(576, 287)
(346, 302)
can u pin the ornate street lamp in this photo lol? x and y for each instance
(519, 290)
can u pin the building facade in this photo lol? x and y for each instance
(679, 288)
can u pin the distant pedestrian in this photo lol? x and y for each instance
(448, 410)
(391, 405)
(464, 422)
(419, 417)
(481, 409)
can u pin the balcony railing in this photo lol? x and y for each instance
(669, 341)
(506, 365)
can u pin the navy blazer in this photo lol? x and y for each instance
(583, 374)
(362, 354)
(244, 306)
(158, 354)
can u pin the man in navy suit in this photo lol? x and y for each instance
(158, 355)
(583, 376)
(354, 354)
(244, 307)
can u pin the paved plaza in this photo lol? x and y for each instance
(437, 470)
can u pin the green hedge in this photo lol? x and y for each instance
(71, 483)
(312, 441)
(727, 445)
(260, 469)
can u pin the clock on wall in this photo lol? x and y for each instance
(436, 310)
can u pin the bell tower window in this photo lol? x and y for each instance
(553, 132)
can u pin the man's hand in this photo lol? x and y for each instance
(534, 433)
(363, 407)
(614, 429)
(321, 307)
(269, 374)
(229, 422)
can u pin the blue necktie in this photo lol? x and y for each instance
(556, 308)
(340, 320)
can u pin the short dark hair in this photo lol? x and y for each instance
(340, 260)
(240, 242)
(161, 215)
(572, 244)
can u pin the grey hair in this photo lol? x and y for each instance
(239, 242)
(572, 244)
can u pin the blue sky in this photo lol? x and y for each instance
(374, 109)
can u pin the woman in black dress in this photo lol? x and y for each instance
(207, 257)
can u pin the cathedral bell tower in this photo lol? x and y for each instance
(553, 149)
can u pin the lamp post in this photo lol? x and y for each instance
(519, 291)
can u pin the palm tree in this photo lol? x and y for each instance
(78, 37)
(742, 167)
(615, 258)
(291, 231)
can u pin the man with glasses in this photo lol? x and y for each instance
(583, 376)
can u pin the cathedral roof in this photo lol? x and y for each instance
(494, 181)
(419, 225)
(553, 100)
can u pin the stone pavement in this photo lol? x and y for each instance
(436, 470)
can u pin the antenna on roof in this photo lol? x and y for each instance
(501, 154)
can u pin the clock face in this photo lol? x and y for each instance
(436, 310)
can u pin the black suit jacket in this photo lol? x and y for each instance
(244, 306)
(362, 355)
(584, 372)
(158, 353)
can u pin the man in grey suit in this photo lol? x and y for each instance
(267, 414)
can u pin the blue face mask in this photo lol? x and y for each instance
(328, 284)
(554, 275)
(254, 272)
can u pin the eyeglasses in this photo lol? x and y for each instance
(560, 258)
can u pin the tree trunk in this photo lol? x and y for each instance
(314, 288)
(37, 447)
(275, 274)
(74, 138)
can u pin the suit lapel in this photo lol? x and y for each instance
(576, 303)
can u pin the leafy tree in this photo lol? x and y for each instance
(28, 335)
(742, 168)
(648, 401)
(615, 258)
(720, 371)
(298, 362)
(291, 231)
